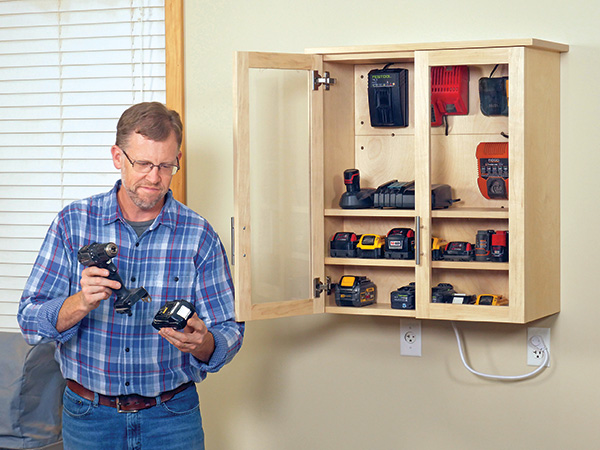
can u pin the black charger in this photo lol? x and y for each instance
(388, 97)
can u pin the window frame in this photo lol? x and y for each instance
(175, 89)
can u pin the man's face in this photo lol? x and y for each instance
(145, 191)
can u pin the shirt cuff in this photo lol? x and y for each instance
(219, 356)
(47, 319)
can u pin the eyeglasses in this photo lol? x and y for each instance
(147, 166)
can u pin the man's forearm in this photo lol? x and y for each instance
(71, 313)
(205, 352)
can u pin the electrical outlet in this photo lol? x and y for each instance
(410, 337)
(535, 356)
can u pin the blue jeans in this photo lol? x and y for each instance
(175, 424)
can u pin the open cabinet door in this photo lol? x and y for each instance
(278, 161)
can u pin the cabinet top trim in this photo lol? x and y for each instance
(529, 42)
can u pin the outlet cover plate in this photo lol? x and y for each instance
(535, 357)
(410, 337)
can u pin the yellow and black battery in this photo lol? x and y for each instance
(490, 299)
(437, 248)
(355, 291)
(370, 246)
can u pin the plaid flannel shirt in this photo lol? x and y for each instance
(178, 257)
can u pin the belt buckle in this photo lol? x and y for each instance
(119, 410)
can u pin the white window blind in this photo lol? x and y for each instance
(68, 69)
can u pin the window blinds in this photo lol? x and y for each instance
(68, 69)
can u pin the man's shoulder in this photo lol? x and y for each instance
(86, 205)
(183, 213)
(185, 219)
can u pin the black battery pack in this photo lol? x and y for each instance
(459, 251)
(355, 291)
(388, 97)
(442, 293)
(343, 244)
(400, 244)
(174, 314)
(403, 297)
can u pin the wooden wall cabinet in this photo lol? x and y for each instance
(340, 137)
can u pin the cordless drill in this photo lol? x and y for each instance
(100, 255)
(355, 197)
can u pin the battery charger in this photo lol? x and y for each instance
(449, 92)
(493, 96)
(388, 97)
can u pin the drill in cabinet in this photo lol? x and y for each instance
(100, 255)
(355, 197)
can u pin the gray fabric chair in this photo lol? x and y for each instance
(31, 388)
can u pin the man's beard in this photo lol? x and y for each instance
(144, 204)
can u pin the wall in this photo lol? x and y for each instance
(339, 382)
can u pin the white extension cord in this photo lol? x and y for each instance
(536, 341)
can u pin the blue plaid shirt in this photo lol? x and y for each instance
(178, 257)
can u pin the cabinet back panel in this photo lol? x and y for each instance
(384, 158)
(464, 281)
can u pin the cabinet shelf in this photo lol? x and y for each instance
(365, 262)
(479, 313)
(470, 213)
(458, 265)
(335, 212)
(376, 309)
(469, 265)
(454, 212)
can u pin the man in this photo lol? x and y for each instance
(129, 386)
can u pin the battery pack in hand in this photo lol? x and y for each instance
(174, 314)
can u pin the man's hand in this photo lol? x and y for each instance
(95, 288)
(194, 338)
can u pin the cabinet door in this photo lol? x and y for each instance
(278, 183)
(450, 158)
(528, 281)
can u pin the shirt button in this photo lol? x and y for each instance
(127, 349)
(127, 383)
(132, 278)
(137, 244)
(176, 278)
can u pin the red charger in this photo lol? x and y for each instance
(449, 92)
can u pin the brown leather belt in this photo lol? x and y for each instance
(126, 403)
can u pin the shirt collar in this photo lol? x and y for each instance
(111, 210)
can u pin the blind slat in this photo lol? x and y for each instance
(8, 308)
(68, 69)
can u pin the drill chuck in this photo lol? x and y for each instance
(97, 254)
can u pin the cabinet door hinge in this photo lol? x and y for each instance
(320, 287)
(318, 80)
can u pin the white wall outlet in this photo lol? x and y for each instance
(410, 337)
(535, 355)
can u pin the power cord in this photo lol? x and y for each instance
(535, 341)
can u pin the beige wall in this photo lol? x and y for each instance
(339, 382)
